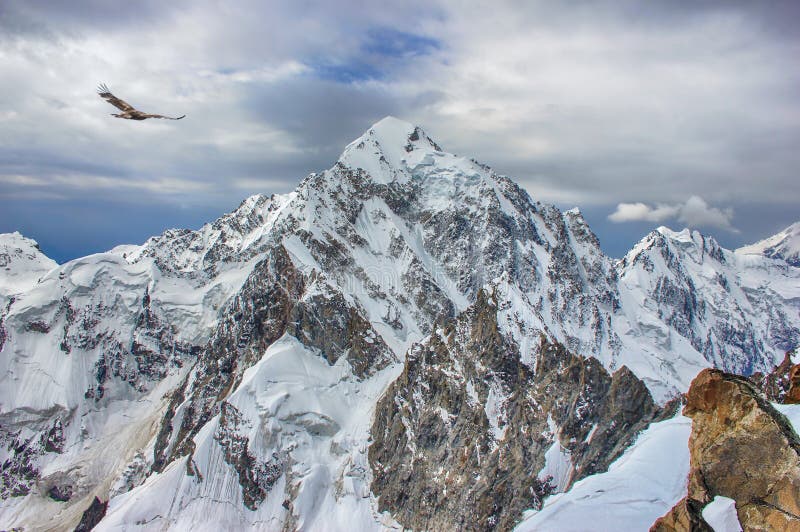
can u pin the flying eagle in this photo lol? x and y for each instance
(127, 109)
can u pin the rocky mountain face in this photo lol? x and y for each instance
(469, 436)
(405, 335)
(742, 449)
(89, 351)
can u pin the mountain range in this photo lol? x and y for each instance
(406, 340)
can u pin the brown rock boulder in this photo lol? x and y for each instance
(741, 448)
(793, 395)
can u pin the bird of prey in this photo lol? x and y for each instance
(128, 111)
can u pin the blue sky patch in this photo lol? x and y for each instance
(346, 72)
(389, 42)
(381, 50)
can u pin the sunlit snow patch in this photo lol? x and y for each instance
(721, 515)
(638, 488)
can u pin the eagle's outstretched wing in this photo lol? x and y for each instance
(122, 105)
(167, 117)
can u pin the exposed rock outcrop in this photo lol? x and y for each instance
(743, 449)
(469, 436)
(256, 478)
(23, 443)
(684, 516)
(92, 516)
(793, 395)
(782, 384)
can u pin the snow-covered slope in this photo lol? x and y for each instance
(641, 486)
(305, 415)
(22, 263)
(228, 376)
(783, 246)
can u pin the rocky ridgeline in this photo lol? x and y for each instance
(254, 319)
(784, 246)
(743, 449)
(200, 255)
(462, 439)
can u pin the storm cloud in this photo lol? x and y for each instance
(605, 105)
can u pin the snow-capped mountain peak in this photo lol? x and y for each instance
(692, 242)
(738, 312)
(784, 245)
(684, 234)
(389, 150)
(22, 263)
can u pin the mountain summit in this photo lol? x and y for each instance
(783, 246)
(336, 357)
(391, 144)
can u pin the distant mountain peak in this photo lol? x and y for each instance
(784, 245)
(684, 234)
(22, 263)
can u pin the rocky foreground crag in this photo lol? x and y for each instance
(743, 449)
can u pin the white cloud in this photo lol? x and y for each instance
(695, 212)
(270, 74)
(630, 212)
(23, 180)
(163, 185)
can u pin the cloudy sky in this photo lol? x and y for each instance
(641, 113)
